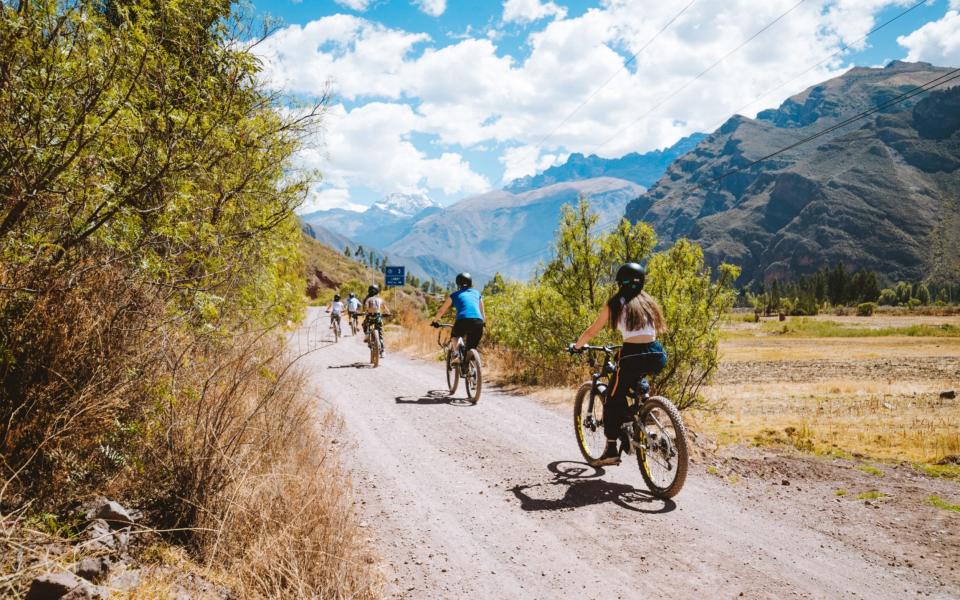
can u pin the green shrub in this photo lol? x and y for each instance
(865, 309)
(888, 297)
(536, 321)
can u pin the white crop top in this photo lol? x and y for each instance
(647, 330)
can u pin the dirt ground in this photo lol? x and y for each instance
(493, 501)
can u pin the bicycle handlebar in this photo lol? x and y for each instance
(604, 349)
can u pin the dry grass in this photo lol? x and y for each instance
(883, 418)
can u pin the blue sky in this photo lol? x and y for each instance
(450, 98)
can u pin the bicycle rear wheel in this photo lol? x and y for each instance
(336, 331)
(663, 453)
(453, 374)
(374, 347)
(588, 422)
(473, 376)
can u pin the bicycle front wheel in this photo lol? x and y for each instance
(453, 374)
(588, 422)
(663, 453)
(473, 376)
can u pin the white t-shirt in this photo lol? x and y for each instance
(374, 304)
(353, 304)
(647, 330)
(336, 307)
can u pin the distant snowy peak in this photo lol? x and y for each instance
(404, 205)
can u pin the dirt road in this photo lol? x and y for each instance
(493, 501)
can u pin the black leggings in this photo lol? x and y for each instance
(635, 361)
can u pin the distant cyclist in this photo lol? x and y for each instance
(353, 306)
(375, 308)
(639, 318)
(468, 325)
(335, 309)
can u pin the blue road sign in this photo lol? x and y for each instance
(395, 276)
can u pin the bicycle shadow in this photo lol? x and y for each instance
(581, 486)
(434, 397)
(355, 365)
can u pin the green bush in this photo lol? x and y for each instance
(888, 297)
(865, 309)
(536, 321)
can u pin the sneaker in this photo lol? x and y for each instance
(610, 457)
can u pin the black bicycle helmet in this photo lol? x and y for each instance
(373, 290)
(464, 280)
(336, 297)
(631, 277)
(351, 295)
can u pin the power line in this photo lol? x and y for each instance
(699, 75)
(843, 48)
(632, 58)
(933, 83)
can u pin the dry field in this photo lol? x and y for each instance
(859, 386)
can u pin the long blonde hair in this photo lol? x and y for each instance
(639, 312)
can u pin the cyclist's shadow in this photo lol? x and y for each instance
(433, 397)
(582, 486)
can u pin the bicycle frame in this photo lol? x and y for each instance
(600, 379)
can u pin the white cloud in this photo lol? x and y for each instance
(327, 198)
(358, 5)
(526, 160)
(937, 42)
(527, 11)
(358, 57)
(469, 93)
(369, 146)
(434, 8)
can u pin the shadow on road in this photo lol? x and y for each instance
(434, 397)
(576, 484)
(356, 365)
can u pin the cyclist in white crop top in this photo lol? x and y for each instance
(639, 319)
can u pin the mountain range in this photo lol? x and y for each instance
(505, 230)
(642, 169)
(880, 194)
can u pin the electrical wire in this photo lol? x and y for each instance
(926, 87)
(699, 75)
(623, 67)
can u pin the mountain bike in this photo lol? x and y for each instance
(335, 325)
(468, 369)
(373, 325)
(654, 431)
(354, 323)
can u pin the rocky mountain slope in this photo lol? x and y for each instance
(502, 231)
(881, 194)
(643, 169)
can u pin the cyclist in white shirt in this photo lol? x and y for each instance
(335, 309)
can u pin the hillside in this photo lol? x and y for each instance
(642, 169)
(328, 269)
(882, 194)
(502, 231)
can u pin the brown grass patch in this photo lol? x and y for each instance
(899, 421)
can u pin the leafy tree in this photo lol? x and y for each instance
(346, 251)
(537, 320)
(495, 286)
(922, 293)
(888, 297)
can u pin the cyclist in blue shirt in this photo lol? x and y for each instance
(468, 304)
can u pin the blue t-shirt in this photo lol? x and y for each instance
(467, 303)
